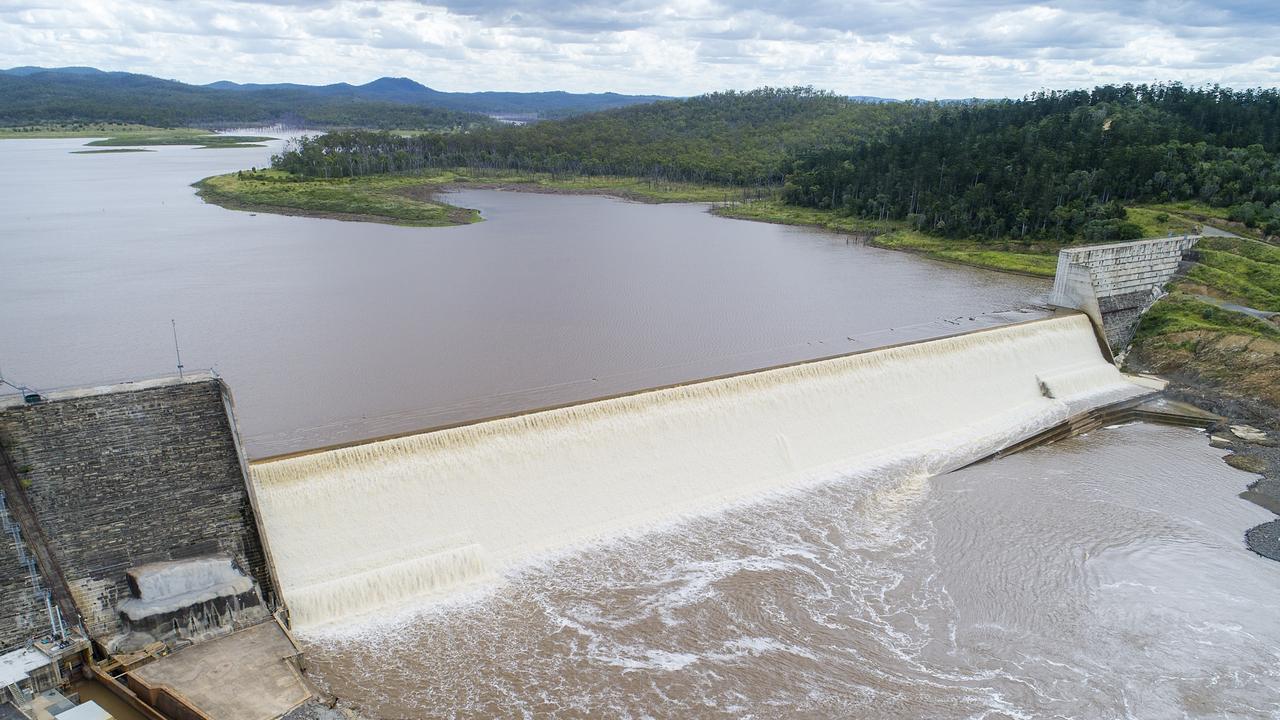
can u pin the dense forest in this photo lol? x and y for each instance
(32, 96)
(1053, 165)
(1058, 164)
(743, 138)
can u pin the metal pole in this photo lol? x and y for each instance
(176, 350)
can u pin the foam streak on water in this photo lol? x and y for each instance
(347, 527)
(1102, 576)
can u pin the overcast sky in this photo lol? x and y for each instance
(914, 48)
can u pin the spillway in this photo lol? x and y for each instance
(359, 528)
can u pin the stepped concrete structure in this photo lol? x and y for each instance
(102, 480)
(1115, 284)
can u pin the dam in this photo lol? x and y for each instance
(357, 529)
(879, 533)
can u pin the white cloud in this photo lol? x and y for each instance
(912, 48)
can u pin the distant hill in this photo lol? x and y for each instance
(410, 92)
(32, 95)
(741, 138)
(32, 70)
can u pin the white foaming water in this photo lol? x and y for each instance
(1080, 381)
(1100, 576)
(346, 527)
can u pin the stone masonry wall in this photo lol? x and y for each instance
(22, 615)
(129, 475)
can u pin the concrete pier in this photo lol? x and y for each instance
(1115, 284)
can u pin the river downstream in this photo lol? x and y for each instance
(1102, 576)
(335, 331)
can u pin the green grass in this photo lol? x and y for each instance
(74, 130)
(1252, 249)
(1178, 313)
(180, 136)
(1027, 262)
(1200, 213)
(1191, 210)
(631, 188)
(775, 211)
(109, 150)
(893, 235)
(1156, 222)
(123, 134)
(383, 198)
(1246, 272)
(407, 199)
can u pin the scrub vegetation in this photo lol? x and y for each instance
(180, 136)
(396, 200)
(73, 130)
(412, 199)
(109, 151)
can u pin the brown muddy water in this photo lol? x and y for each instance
(1100, 577)
(1104, 576)
(333, 331)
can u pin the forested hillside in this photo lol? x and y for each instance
(743, 138)
(1058, 165)
(45, 97)
(34, 96)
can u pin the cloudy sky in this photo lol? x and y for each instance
(906, 48)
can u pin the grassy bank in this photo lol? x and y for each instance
(121, 134)
(1179, 312)
(110, 150)
(180, 136)
(1026, 259)
(413, 199)
(1216, 352)
(1198, 213)
(74, 130)
(392, 199)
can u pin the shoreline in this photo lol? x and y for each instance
(1258, 457)
(1263, 539)
(414, 200)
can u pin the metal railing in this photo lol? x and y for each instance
(57, 627)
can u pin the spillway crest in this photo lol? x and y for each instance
(355, 529)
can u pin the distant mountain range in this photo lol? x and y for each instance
(30, 95)
(410, 92)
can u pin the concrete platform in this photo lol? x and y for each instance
(248, 675)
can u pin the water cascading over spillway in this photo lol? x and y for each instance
(358, 528)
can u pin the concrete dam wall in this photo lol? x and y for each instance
(117, 477)
(360, 528)
(1115, 284)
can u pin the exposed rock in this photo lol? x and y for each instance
(1247, 463)
(1249, 433)
(1265, 539)
(1237, 376)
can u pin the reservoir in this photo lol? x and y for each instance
(336, 331)
(1102, 576)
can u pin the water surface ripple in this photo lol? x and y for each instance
(334, 331)
(1104, 576)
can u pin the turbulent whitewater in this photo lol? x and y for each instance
(355, 529)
